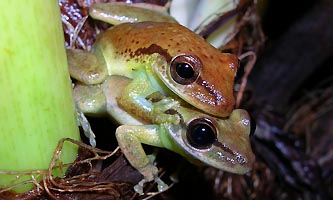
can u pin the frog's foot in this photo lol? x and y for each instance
(138, 188)
(150, 173)
(161, 186)
(165, 110)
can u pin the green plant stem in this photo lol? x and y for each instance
(36, 106)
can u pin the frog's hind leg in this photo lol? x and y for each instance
(86, 67)
(130, 139)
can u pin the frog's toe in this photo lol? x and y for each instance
(161, 186)
(138, 188)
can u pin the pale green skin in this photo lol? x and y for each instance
(138, 101)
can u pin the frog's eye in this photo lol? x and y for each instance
(185, 69)
(201, 133)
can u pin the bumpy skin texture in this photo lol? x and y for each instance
(212, 92)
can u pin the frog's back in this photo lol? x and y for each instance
(129, 41)
(169, 39)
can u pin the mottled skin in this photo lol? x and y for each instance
(127, 76)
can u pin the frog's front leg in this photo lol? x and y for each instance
(134, 100)
(130, 138)
(86, 67)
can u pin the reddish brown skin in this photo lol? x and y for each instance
(171, 39)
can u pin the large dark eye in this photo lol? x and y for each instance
(201, 133)
(185, 69)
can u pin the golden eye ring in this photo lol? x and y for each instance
(185, 69)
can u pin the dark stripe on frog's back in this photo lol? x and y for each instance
(133, 39)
